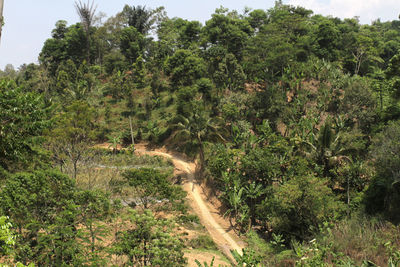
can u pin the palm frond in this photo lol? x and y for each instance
(86, 13)
(180, 119)
(183, 135)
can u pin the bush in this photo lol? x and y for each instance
(383, 194)
(298, 207)
(150, 242)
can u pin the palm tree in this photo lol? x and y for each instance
(196, 129)
(327, 149)
(139, 17)
(253, 193)
(86, 13)
(1, 16)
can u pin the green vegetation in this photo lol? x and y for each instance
(293, 120)
(150, 243)
(7, 241)
(203, 242)
(7, 238)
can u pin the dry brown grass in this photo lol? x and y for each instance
(361, 239)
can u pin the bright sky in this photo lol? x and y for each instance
(29, 23)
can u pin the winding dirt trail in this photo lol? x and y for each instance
(221, 237)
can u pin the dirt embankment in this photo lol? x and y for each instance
(217, 226)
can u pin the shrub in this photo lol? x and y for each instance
(383, 193)
(299, 206)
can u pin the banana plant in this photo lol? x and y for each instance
(247, 258)
(114, 141)
(234, 197)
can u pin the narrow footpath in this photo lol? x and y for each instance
(221, 237)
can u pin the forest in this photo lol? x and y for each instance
(291, 120)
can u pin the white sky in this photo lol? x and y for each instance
(367, 10)
(29, 23)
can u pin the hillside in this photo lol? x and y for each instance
(286, 123)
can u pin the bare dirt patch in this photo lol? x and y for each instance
(204, 256)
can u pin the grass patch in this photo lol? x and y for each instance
(99, 167)
(189, 221)
(362, 239)
(272, 253)
(203, 242)
(353, 242)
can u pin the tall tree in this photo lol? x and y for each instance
(197, 128)
(23, 117)
(139, 17)
(384, 191)
(228, 30)
(66, 43)
(132, 44)
(86, 13)
(73, 133)
(185, 67)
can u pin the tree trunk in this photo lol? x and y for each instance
(348, 196)
(252, 214)
(88, 47)
(130, 125)
(93, 237)
(359, 58)
(146, 257)
(1, 16)
(75, 168)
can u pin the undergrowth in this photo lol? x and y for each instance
(358, 241)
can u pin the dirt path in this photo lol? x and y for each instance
(221, 237)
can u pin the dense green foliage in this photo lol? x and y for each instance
(7, 237)
(151, 187)
(294, 119)
(150, 243)
(23, 116)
